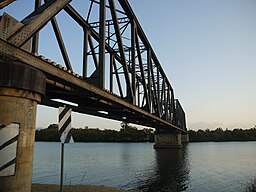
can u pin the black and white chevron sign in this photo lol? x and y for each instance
(65, 125)
(8, 148)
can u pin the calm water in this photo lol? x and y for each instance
(199, 167)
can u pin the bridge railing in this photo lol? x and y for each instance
(117, 56)
(180, 117)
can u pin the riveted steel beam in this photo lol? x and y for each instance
(36, 20)
(130, 93)
(85, 53)
(142, 71)
(61, 43)
(133, 56)
(5, 3)
(36, 36)
(102, 31)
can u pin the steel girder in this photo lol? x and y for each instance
(117, 40)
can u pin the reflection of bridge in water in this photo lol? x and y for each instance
(171, 172)
(121, 77)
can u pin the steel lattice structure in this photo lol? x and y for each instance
(121, 76)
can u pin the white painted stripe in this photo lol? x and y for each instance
(8, 171)
(62, 122)
(64, 119)
(8, 153)
(8, 133)
(65, 133)
(61, 109)
(9, 149)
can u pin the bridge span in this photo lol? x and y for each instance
(119, 76)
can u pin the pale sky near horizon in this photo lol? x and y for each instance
(208, 51)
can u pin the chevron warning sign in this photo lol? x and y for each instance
(8, 148)
(65, 125)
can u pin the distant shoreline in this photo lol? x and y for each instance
(130, 134)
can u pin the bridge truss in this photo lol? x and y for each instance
(121, 77)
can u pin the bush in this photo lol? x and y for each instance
(251, 186)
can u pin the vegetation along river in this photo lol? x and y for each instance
(199, 167)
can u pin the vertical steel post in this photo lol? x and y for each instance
(165, 103)
(129, 92)
(138, 88)
(155, 97)
(149, 79)
(111, 72)
(158, 91)
(36, 36)
(145, 89)
(162, 95)
(133, 60)
(85, 53)
(168, 103)
(102, 44)
(118, 79)
(173, 107)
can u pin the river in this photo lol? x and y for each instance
(198, 167)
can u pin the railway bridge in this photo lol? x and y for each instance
(118, 77)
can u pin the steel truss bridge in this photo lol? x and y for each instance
(121, 77)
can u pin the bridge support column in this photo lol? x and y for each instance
(184, 138)
(167, 140)
(21, 88)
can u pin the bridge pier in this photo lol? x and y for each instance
(167, 140)
(184, 138)
(21, 88)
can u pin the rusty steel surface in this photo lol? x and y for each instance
(127, 82)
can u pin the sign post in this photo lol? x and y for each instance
(65, 136)
(61, 167)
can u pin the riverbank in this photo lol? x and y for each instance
(73, 188)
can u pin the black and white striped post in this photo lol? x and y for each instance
(65, 135)
(8, 149)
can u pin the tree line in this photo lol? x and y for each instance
(128, 133)
(223, 135)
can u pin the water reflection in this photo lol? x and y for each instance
(171, 172)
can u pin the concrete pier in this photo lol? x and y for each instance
(21, 88)
(167, 140)
(184, 138)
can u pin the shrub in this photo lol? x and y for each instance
(251, 186)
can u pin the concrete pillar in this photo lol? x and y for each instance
(21, 88)
(167, 140)
(184, 138)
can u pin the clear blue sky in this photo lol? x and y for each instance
(208, 51)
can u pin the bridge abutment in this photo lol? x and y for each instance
(21, 88)
(167, 140)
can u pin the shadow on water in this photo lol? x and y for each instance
(171, 173)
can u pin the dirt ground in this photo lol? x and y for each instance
(73, 188)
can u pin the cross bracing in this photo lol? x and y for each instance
(120, 73)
